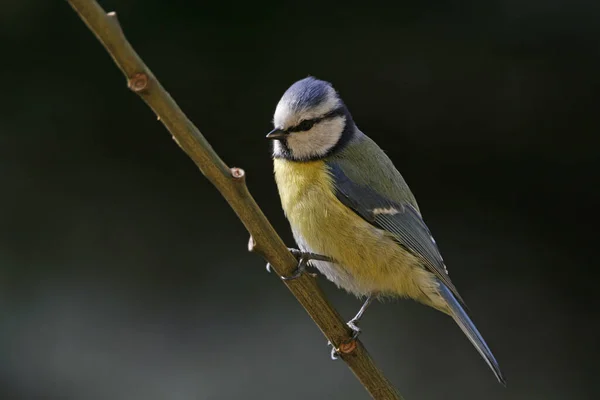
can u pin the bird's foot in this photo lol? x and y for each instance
(303, 259)
(352, 324)
(334, 351)
(355, 332)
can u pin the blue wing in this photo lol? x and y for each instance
(402, 220)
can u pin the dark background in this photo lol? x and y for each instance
(124, 274)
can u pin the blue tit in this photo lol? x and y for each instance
(347, 203)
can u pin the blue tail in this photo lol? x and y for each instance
(469, 329)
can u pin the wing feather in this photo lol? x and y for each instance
(402, 220)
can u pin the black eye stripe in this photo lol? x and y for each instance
(309, 123)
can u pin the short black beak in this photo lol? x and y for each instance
(276, 134)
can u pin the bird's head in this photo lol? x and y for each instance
(310, 121)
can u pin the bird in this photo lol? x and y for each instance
(351, 212)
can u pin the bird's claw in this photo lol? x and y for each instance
(302, 263)
(355, 329)
(353, 325)
(355, 332)
(303, 260)
(296, 253)
(334, 351)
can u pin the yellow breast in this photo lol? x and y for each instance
(368, 255)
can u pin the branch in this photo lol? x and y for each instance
(231, 183)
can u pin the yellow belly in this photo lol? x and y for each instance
(367, 259)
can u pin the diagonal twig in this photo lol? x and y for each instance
(231, 183)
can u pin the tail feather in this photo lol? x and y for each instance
(466, 325)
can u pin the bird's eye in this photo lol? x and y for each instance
(305, 125)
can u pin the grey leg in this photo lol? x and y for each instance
(354, 321)
(352, 324)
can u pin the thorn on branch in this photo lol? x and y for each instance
(251, 244)
(138, 82)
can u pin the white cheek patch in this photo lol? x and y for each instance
(318, 140)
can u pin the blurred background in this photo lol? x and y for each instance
(125, 275)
